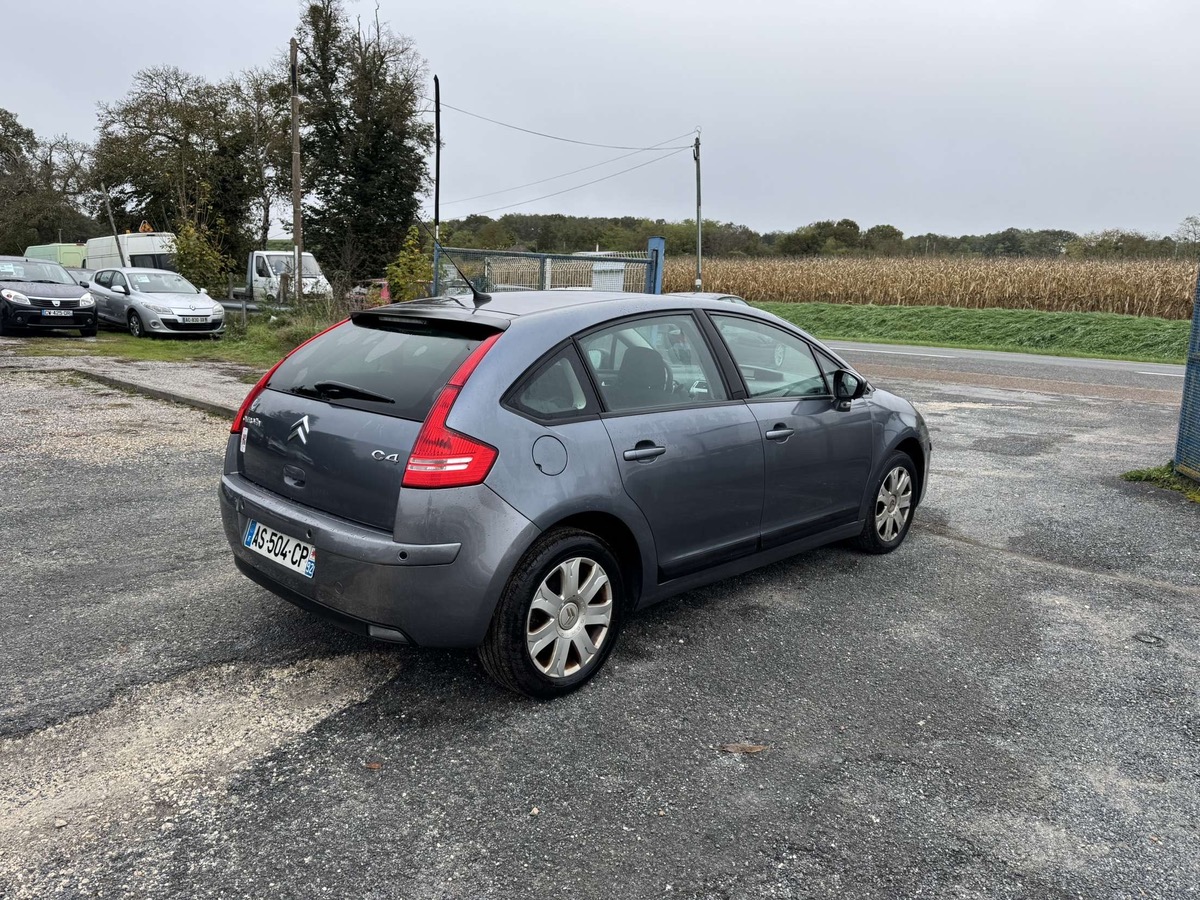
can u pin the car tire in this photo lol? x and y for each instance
(136, 328)
(540, 633)
(890, 515)
(88, 332)
(5, 328)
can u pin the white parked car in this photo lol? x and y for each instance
(155, 301)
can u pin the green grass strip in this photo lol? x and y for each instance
(1165, 477)
(1103, 335)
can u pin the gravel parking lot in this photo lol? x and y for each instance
(1006, 707)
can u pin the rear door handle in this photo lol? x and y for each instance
(780, 432)
(644, 450)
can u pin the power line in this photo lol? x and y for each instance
(565, 174)
(553, 137)
(586, 184)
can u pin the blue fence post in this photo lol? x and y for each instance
(437, 268)
(656, 251)
(1187, 447)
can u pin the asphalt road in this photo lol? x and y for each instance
(1096, 378)
(1006, 707)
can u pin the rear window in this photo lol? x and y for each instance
(396, 372)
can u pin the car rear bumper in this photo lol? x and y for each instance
(429, 594)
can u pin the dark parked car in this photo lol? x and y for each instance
(38, 294)
(522, 473)
(82, 276)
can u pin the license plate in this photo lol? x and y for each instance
(57, 312)
(287, 551)
(196, 319)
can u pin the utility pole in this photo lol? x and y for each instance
(437, 185)
(699, 219)
(297, 220)
(437, 156)
(113, 225)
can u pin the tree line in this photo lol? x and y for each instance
(556, 233)
(213, 159)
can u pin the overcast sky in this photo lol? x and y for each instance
(954, 116)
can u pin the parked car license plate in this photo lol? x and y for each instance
(283, 549)
(57, 312)
(196, 319)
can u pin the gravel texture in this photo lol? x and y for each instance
(1006, 707)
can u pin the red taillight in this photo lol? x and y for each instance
(444, 458)
(261, 386)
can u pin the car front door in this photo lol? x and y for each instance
(118, 303)
(817, 456)
(689, 456)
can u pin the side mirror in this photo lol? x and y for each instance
(846, 387)
(83, 282)
(120, 289)
(204, 290)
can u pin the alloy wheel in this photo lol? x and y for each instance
(894, 503)
(569, 618)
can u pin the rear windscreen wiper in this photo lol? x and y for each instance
(337, 390)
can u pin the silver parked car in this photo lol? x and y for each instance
(155, 301)
(521, 472)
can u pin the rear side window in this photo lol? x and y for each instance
(555, 391)
(396, 372)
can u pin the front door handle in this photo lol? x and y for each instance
(644, 451)
(780, 432)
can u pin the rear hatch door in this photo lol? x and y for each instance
(339, 418)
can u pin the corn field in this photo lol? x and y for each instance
(1140, 287)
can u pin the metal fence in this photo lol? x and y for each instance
(490, 271)
(1187, 449)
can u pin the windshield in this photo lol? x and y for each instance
(24, 270)
(282, 262)
(161, 283)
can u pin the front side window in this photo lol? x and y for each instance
(773, 362)
(652, 363)
(556, 390)
(104, 279)
(118, 280)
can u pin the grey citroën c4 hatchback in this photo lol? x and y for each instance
(522, 473)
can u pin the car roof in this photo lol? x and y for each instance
(128, 269)
(32, 259)
(514, 304)
(701, 295)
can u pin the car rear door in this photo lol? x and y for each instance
(689, 456)
(817, 456)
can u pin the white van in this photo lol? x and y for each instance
(145, 250)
